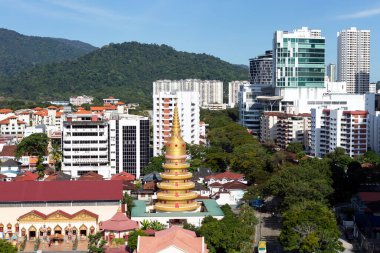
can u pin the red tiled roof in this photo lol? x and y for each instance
(228, 175)
(37, 109)
(91, 176)
(52, 107)
(3, 176)
(97, 108)
(9, 150)
(355, 112)
(45, 191)
(215, 184)
(83, 112)
(369, 196)
(26, 176)
(125, 176)
(150, 185)
(5, 111)
(120, 103)
(6, 121)
(119, 222)
(128, 185)
(235, 185)
(177, 237)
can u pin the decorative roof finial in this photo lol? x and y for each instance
(176, 127)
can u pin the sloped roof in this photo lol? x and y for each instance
(58, 176)
(235, 185)
(175, 236)
(152, 176)
(150, 185)
(47, 191)
(227, 175)
(10, 163)
(7, 120)
(67, 215)
(128, 185)
(119, 222)
(26, 176)
(5, 111)
(9, 150)
(125, 176)
(91, 176)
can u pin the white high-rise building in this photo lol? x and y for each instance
(210, 91)
(85, 145)
(338, 128)
(163, 109)
(129, 143)
(354, 59)
(233, 91)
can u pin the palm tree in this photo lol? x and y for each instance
(56, 155)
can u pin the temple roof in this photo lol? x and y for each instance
(119, 222)
(125, 176)
(177, 237)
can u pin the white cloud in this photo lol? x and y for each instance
(361, 14)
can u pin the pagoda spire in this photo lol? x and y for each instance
(176, 193)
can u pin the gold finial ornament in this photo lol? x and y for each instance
(176, 193)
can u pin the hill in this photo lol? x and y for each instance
(124, 70)
(19, 52)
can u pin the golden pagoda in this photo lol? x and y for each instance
(176, 193)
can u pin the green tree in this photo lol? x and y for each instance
(132, 238)
(96, 243)
(7, 247)
(128, 200)
(33, 145)
(155, 164)
(56, 155)
(310, 227)
(295, 147)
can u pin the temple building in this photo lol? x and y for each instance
(176, 203)
(176, 193)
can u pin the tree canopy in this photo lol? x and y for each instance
(33, 145)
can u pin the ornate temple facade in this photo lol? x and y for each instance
(176, 189)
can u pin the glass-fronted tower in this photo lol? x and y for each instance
(261, 69)
(299, 58)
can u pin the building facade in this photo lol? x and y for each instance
(163, 110)
(338, 128)
(233, 92)
(331, 72)
(85, 146)
(354, 59)
(129, 144)
(80, 100)
(261, 69)
(299, 58)
(210, 91)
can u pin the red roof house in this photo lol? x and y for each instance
(27, 176)
(91, 176)
(119, 223)
(125, 176)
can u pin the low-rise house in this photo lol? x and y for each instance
(174, 239)
(10, 168)
(225, 177)
(202, 190)
(231, 193)
(200, 174)
(26, 176)
(361, 201)
(124, 176)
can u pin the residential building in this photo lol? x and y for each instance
(372, 88)
(203, 133)
(331, 72)
(210, 91)
(299, 59)
(85, 145)
(354, 59)
(6, 113)
(110, 100)
(215, 107)
(225, 177)
(80, 100)
(261, 69)
(163, 110)
(12, 127)
(283, 128)
(233, 92)
(128, 144)
(338, 128)
(230, 193)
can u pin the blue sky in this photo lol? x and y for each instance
(232, 30)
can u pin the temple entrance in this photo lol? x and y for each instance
(177, 222)
(57, 230)
(83, 230)
(32, 233)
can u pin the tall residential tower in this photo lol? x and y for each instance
(261, 69)
(354, 59)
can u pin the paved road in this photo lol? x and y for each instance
(269, 230)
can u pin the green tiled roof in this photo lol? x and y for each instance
(211, 209)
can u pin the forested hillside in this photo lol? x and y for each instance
(124, 70)
(19, 52)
